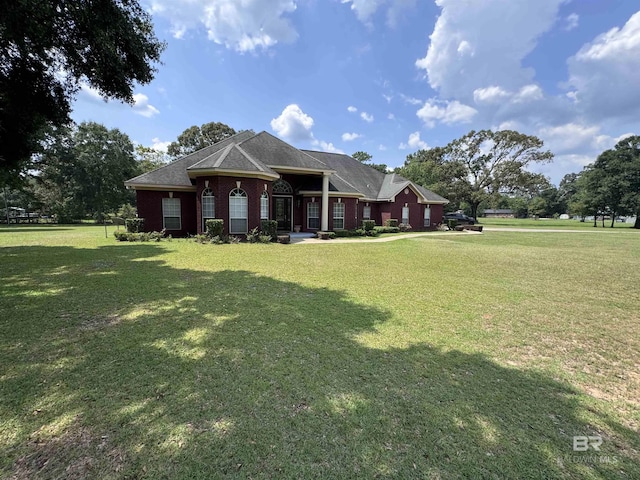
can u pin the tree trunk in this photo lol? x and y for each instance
(595, 220)
(613, 219)
(474, 210)
(603, 220)
(637, 224)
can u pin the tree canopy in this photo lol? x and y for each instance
(612, 182)
(83, 171)
(195, 138)
(479, 166)
(49, 49)
(364, 157)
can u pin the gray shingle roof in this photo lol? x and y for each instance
(372, 183)
(274, 152)
(233, 157)
(361, 178)
(249, 152)
(175, 173)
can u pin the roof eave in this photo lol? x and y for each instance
(224, 172)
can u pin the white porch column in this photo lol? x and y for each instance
(324, 222)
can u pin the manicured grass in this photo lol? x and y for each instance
(462, 356)
(550, 223)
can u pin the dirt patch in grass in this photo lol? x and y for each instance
(74, 454)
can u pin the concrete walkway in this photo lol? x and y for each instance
(307, 241)
(551, 230)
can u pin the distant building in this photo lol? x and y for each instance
(499, 213)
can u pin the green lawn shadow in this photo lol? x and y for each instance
(114, 364)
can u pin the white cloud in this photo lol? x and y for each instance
(242, 25)
(391, 116)
(414, 142)
(490, 95)
(293, 124)
(159, 145)
(410, 100)
(575, 138)
(528, 93)
(352, 109)
(572, 21)
(445, 112)
(603, 75)
(388, 98)
(364, 9)
(348, 137)
(476, 44)
(326, 146)
(141, 106)
(382, 148)
(366, 117)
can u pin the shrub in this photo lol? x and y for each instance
(368, 225)
(404, 227)
(127, 211)
(342, 233)
(253, 236)
(391, 222)
(451, 223)
(371, 233)
(265, 238)
(139, 236)
(269, 227)
(380, 230)
(134, 225)
(214, 227)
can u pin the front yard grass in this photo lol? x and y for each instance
(462, 356)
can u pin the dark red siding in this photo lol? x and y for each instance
(222, 187)
(149, 205)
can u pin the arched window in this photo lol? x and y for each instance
(264, 206)
(282, 187)
(208, 206)
(238, 211)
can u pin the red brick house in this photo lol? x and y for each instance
(251, 177)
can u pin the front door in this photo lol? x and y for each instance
(282, 212)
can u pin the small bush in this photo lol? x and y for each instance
(269, 227)
(214, 227)
(253, 236)
(380, 230)
(391, 222)
(368, 224)
(342, 233)
(265, 238)
(134, 225)
(451, 223)
(139, 236)
(405, 227)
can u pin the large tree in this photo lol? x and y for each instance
(613, 180)
(427, 168)
(481, 164)
(195, 138)
(84, 169)
(48, 49)
(364, 157)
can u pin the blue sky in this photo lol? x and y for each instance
(391, 76)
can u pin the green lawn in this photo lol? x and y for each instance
(549, 223)
(469, 356)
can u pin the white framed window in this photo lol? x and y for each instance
(313, 215)
(171, 214)
(264, 206)
(338, 216)
(427, 216)
(238, 211)
(405, 215)
(366, 213)
(208, 206)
